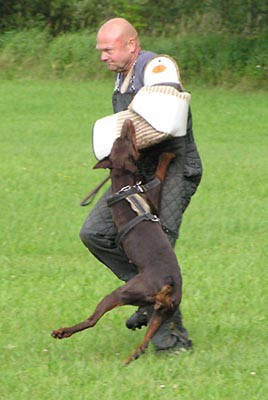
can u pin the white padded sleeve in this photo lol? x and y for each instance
(164, 108)
(104, 134)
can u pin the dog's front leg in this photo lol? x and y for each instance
(107, 303)
(153, 195)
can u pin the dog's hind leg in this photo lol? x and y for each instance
(162, 310)
(155, 322)
(106, 304)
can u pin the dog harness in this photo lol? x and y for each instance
(133, 195)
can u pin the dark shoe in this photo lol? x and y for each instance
(179, 347)
(172, 336)
(174, 344)
(140, 318)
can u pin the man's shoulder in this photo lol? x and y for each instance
(141, 62)
(145, 56)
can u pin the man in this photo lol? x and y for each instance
(118, 44)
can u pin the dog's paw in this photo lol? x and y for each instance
(60, 333)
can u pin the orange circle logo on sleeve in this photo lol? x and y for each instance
(159, 68)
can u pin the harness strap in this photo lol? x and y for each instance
(151, 184)
(135, 221)
(132, 195)
(138, 204)
(129, 190)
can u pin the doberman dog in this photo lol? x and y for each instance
(158, 281)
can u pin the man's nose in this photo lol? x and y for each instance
(104, 56)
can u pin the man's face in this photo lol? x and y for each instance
(115, 52)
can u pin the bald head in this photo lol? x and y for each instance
(117, 40)
(118, 27)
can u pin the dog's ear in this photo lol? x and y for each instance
(128, 131)
(105, 163)
(130, 166)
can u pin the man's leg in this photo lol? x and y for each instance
(98, 234)
(176, 196)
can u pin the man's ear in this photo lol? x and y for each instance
(105, 163)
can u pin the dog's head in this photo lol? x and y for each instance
(124, 152)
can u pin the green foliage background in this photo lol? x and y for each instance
(214, 42)
(150, 16)
(214, 59)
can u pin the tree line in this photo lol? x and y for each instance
(153, 17)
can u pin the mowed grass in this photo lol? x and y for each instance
(49, 279)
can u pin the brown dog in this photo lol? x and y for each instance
(145, 244)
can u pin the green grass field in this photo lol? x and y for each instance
(49, 279)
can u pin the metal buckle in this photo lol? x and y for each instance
(138, 187)
(124, 189)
